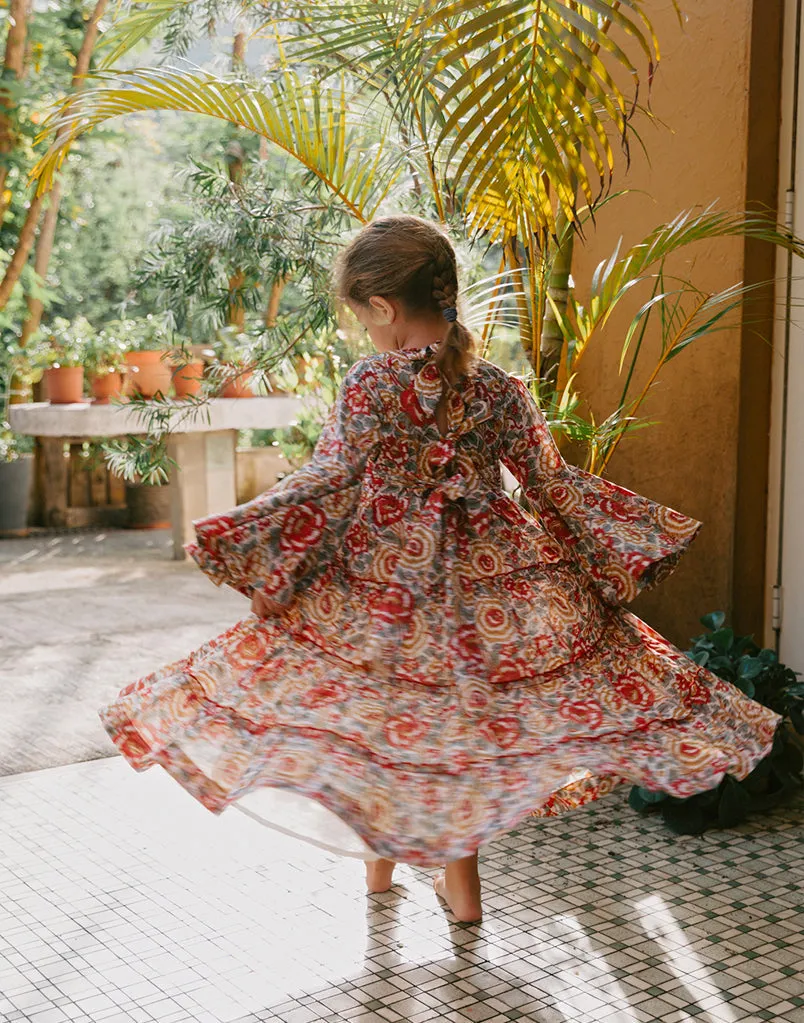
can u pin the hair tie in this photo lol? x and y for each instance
(450, 313)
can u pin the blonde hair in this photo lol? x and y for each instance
(411, 260)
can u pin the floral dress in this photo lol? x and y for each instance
(446, 664)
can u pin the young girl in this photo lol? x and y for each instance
(428, 664)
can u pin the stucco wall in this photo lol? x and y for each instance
(696, 153)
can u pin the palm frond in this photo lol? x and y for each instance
(530, 91)
(616, 276)
(316, 124)
(139, 24)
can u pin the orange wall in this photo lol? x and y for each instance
(698, 151)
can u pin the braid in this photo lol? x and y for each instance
(454, 356)
(445, 281)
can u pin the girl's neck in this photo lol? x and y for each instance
(420, 333)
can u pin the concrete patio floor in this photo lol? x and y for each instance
(81, 615)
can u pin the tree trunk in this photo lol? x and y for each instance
(237, 310)
(12, 69)
(524, 313)
(552, 340)
(44, 250)
(44, 246)
(238, 51)
(235, 158)
(87, 46)
(272, 309)
(23, 250)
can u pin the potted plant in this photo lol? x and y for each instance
(235, 355)
(104, 362)
(61, 352)
(148, 350)
(188, 372)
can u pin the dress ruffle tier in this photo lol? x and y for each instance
(446, 663)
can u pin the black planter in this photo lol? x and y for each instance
(148, 506)
(15, 494)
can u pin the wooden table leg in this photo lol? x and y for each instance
(204, 480)
(52, 472)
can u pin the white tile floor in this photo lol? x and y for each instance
(122, 900)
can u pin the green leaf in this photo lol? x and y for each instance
(746, 686)
(643, 800)
(750, 667)
(723, 639)
(652, 796)
(714, 620)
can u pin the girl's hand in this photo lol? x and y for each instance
(264, 607)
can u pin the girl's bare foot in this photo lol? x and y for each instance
(459, 887)
(379, 875)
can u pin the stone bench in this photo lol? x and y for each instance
(203, 446)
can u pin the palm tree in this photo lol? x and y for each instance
(497, 116)
(501, 114)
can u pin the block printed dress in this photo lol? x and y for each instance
(446, 663)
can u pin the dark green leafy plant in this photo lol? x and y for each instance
(757, 673)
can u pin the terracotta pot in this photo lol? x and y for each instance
(238, 387)
(106, 386)
(187, 379)
(150, 373)
(64, 385)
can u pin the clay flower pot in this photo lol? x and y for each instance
(187, 379)
(64, 385)
(106, 386)
(238, 386)
(150, 373)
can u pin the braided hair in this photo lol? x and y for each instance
(411, 260)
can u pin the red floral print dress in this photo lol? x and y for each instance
(446, 664)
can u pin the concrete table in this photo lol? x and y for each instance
(202, 445)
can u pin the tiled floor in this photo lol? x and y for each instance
(122, 900)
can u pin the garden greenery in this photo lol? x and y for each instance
(757, 673)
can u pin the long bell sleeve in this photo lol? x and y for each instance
(281, 541)
(624, 542)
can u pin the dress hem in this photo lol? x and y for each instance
(587, 789)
